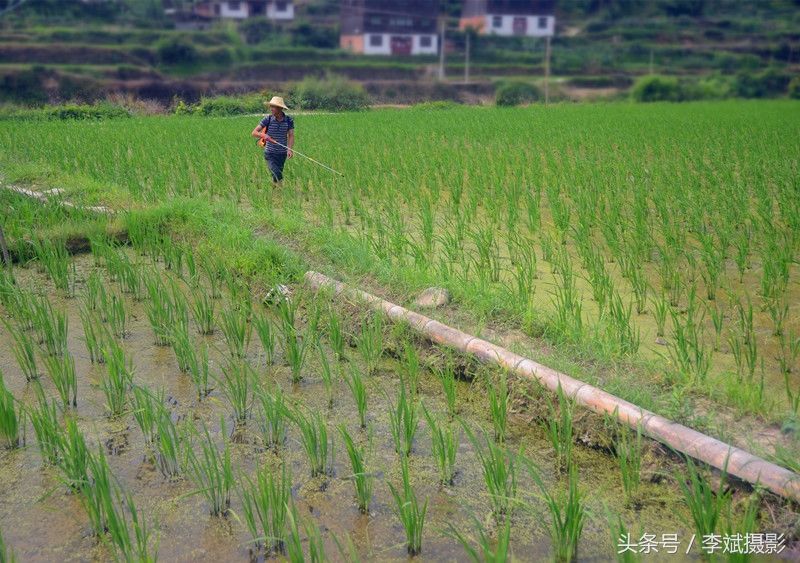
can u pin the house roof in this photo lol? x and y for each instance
(513, 7)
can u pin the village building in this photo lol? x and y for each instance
(385, 27)
(531, 18)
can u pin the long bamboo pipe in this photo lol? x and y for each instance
(716, 453)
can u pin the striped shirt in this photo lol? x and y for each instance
(278, 130)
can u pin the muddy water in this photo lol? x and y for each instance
(41, 521)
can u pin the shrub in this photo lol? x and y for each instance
(176, 51)
(229, 105)
(656, 89)
(768, 83)
(794, 88)
(514, 93)
(332, 93)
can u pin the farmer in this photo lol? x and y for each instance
(275, 130)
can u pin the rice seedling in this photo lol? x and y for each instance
(6, 553)
(744, 525)
(183, 348)
(336, 335)
(56, 261)
(560, 429)
(370, 342)
(362, 480)
(355, 382)
(51, 327)
(46, 428)
(160, 433)
(265, 507)
(266, 335)
(62, 373)
(445, 444)
(628, 450)
(294, 544)
(625, 546)
(237, 331)
(273, 417)
(411, 367)
(73, 459)
(11, 417)
(238, 384)
(499, 474)
(94, 291)
(706, 506)
(498, 406)
(198, 370)
(314, 438)
(409, 512)
(211, 472)
(403, 421)
(117, 316)
(97, 495)
(567, 514)
(483, 548)
(118, 380)
(327, 377)
(447, 378)
(717, 320)
(95, 335)
(24, 351)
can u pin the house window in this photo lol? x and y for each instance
(425, 41)
(234, 6)
(497, 21)
(542, 22)
(280, 6)
(376, 40)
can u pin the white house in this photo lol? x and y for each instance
(243, 9)
(531, 18)
(386, 27)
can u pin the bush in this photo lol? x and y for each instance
(228, 105)
(656, 89)
(794, 88)
(768, 83)
(176, 51)
(514, 93)
(332, 93)
(102, 110)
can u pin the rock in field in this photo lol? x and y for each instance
(432, 298)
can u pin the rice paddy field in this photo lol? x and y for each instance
(172, 389)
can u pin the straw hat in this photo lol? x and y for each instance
(276, 101)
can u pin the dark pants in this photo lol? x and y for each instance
(275, 161)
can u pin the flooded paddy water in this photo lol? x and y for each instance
(42, 520)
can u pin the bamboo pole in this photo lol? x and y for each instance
(718, 454)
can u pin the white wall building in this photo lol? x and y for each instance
(243, 9)
(531, 18)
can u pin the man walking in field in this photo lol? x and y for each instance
(276, 135)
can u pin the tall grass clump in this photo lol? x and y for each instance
(62, 373)
(11, 417)
(409, 511)
(403, 421)
(362, 480)
(118, 379)
(444, 441)
(355, 382)
(314, 437)
(211, 472)
(567, 514)
(265, 505)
